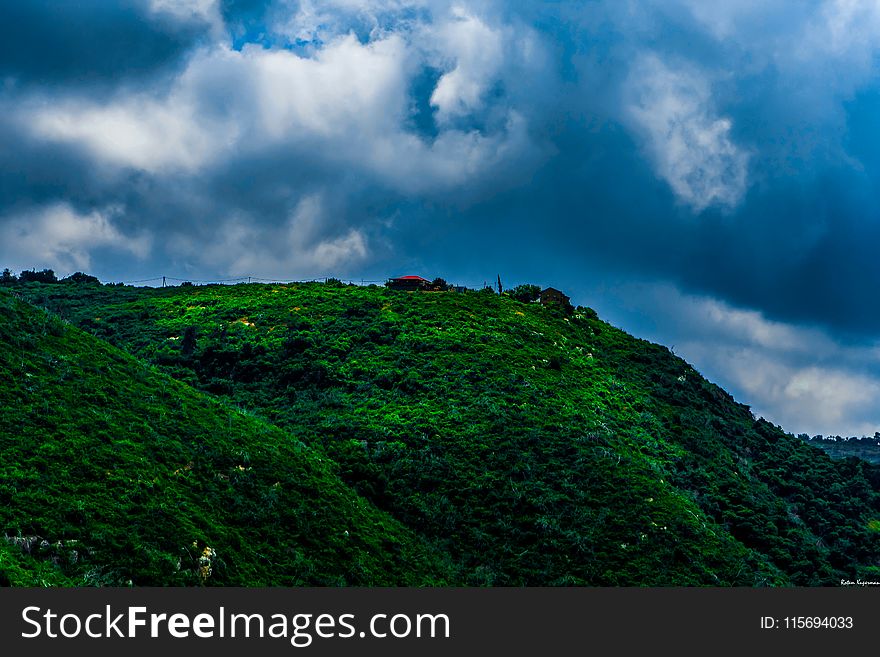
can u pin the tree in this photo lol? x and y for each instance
(188, 345)
(8, 278)
(589, 313)
(80, 277)
(439, 284)
(32, 276)
(526, 293)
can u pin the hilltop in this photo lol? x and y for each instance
(114, 473)
(524, 444)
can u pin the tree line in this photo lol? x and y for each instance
(44, 276)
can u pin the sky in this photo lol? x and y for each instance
(704, 175)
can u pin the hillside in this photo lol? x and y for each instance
(115, 473)
(530, 447)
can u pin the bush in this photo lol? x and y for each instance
(44, 276)
(80, 277)
(526, 293)
(589, 313)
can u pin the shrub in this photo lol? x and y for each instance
(80, 277)
(526, 293)
(44, 276)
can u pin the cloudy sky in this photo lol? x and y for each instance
(703, 174)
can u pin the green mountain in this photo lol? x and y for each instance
(115, 473)
(523, 444)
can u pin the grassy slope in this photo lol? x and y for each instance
(533, 448)
(113, 472)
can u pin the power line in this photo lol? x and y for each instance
(251, 279)
(212, 280)
(278, 280)
(142, 280)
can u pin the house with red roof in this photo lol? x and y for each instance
(409, 283)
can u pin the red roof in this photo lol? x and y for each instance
(411, 278)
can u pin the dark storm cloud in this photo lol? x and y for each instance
(87, 43)
(797, 240)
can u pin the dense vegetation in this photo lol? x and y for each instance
(527, 445)
(114, 473)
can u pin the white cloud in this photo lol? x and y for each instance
(59, 237)
(302, 247)
(475, 51)
(797, 376)
(689, 145)
(803, 398)
(750, 327)
(847, 28)
(226, 100)
(136, 131)
(319, 21)
(454, 158)
(205, 11)
(805, 31)
(348, 88)
(348, 105)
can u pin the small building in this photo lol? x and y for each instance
(408, 283)
(552, 297)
